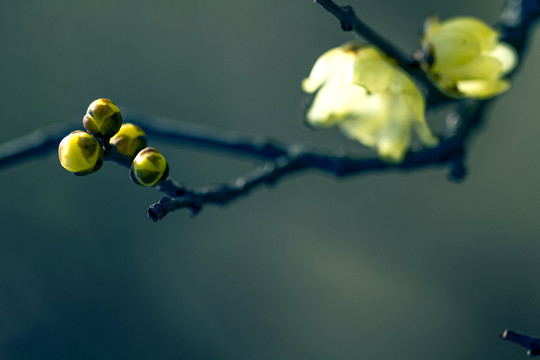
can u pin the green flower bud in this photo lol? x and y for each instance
(103, 118)
(80, 153)
(129, 140)
(149, 168)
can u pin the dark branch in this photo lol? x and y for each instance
(282, 158)
(37, 143)
(516, 20)
(221, 194)
(532, 344)
(350, 22)
(179, 132)
(45, 140)
(337, 162)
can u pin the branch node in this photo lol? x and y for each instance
(532, 344)
(458, 171)
(195, 209)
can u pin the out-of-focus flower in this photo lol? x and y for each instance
(371, 100)
(464, 57)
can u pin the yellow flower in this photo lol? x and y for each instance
(371, 100)
(467, 58)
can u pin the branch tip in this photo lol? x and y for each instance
(158, 211)
(532, 344)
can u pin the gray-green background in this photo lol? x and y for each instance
(380, 266)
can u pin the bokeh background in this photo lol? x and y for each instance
(379, 266)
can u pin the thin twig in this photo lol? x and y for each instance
(350, 22)
(39, 142)
(336, 162)
(532, 344)
(221, 194)
(180, 132)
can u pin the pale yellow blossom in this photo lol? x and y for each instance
(369, 99)
(467, 57)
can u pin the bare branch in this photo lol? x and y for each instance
(516, 20)
(334, 161)
(37, 143)
(179, 132)
(221, 194)
(350, 22)
(532, 344)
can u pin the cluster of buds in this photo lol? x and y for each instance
(373, 101)
(82, 153)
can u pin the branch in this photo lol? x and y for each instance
(179, 132)
(221, 194)
(338, 162)
(37, 143)
(350, 22)
(532, 344)
(515, 22)
(282, 158)
(44, 140)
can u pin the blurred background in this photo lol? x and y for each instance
(396, 265)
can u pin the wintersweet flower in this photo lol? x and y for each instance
(369, 99)
(466, 57)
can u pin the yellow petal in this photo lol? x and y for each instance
(372, 70)
(368, 117)
(453, 48)
(335, 64)
(506, 55)
(374, 75)
(334, 102)
(417, 106)
(482, 89)
(481, 67)
(386, 125)
(481, 32)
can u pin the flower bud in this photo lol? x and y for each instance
(149, 168)
(129, 140)
(80, 153)
(103, 118)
